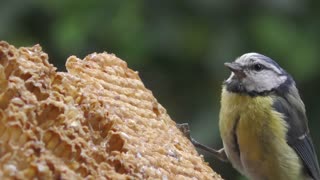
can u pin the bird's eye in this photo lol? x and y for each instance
(257, 67)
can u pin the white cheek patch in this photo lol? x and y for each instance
(283, 79)
(264, 81)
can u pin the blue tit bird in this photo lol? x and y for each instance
(263, 123)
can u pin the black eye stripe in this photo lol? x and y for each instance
(257, 67)
(250, 67)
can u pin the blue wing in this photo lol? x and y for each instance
(306, 151)
(298, 136)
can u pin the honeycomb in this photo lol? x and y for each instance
(95, 121)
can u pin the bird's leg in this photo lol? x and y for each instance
(219, 154)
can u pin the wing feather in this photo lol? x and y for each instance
(304, 148)
(298, 136)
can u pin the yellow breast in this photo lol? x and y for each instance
(254, 137)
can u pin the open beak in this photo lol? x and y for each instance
(236, 68)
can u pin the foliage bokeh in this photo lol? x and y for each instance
(179, 47)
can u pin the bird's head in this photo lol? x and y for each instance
(255, 74)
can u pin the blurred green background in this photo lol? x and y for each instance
(179, 47)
